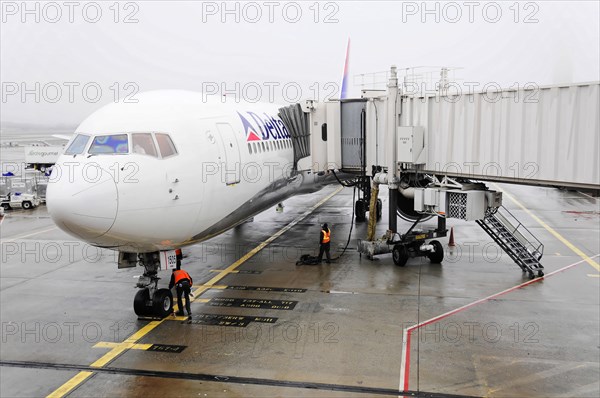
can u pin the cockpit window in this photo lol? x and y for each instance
(165, 144)
(78, 145)
(110, 144)
(144, 144)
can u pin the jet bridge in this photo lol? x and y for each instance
(547, 136)
(431, 149)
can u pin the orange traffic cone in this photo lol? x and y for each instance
(451, 240)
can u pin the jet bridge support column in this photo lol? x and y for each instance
(390, 142)
(393, 217)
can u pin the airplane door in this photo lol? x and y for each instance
(232, 154)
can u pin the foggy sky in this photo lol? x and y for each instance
(187, 45)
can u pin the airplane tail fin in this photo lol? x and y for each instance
(344, 92)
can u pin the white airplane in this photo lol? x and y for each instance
(168, 171)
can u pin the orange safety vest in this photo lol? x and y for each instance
(326, 236)
(180, 275)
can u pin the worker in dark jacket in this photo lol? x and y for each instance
(183, 283)
(324, 240)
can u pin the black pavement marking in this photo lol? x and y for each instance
(253, 303)
(267, 289)
(230, 320)
(231, 379)
(247, 271)
(173, 349)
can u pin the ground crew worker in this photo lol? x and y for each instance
(324, 240)
(183, 283)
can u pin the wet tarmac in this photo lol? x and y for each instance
(472, 326)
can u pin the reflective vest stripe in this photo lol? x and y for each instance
(326, 236)
(180, 275)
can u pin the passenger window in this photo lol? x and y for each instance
(250, 148)
(78, 145)
(165, 144)
(108, 144)
(143, 144)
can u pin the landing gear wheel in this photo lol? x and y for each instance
(400, 255)
(379, 209)
(162, 303)
(360, 210)
(140, 303)
(27, 205)
(437, 256)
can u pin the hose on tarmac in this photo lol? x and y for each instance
(307, 259)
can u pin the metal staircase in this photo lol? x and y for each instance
(516, 240)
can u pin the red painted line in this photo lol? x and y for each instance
(465, 307)
(407, 358)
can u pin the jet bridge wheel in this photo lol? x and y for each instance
(437, 255)
(360, 210)
(532, 275)
(400, 255)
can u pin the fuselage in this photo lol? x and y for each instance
(173, 169)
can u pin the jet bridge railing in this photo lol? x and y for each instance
(520, 232)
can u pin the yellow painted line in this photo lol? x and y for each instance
(121, 348)
(594, 275)
(220, 287)
(222, 270)
(29, 234)
(548, 228)
(201, 300)
(142, 332)
(135, 346)
(70, 385)
(176, 318)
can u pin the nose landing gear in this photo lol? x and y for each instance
(150, 301)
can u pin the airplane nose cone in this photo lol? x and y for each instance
(83, 205)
